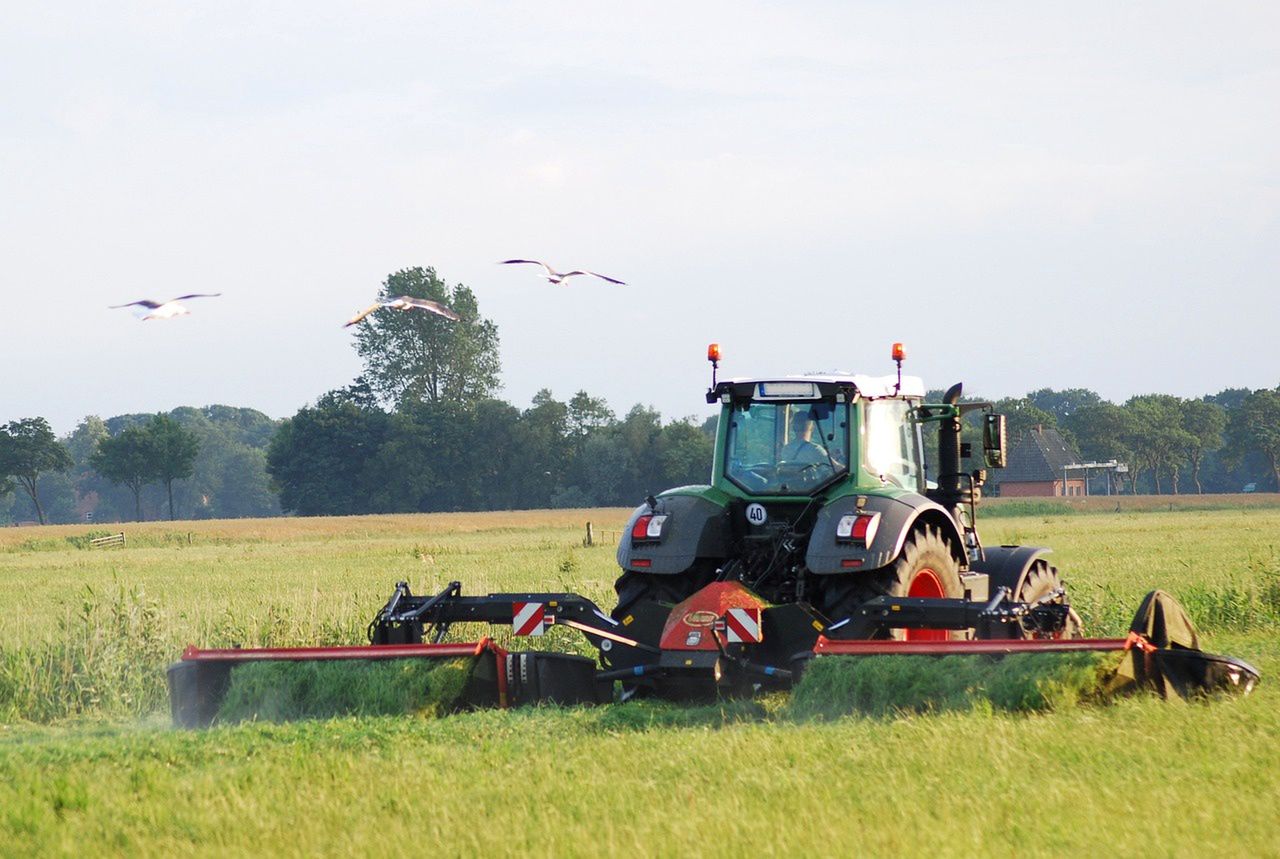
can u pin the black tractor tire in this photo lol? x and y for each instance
(631, 587)
(926, 567)
(1040, 580)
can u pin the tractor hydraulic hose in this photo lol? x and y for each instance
(627, 673)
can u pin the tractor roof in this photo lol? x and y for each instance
(867, 386)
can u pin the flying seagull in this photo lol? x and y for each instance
(554, 276)
(405, 302)
(148, 309)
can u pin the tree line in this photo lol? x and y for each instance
(423, 429)
(187, 463)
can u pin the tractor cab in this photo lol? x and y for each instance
(800, 435)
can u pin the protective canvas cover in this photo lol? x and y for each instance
(1169, 660)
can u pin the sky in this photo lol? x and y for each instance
(1026, 194)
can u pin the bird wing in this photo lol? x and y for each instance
(146, 302)
(597, 274)
(551, 271)
(195, 295)
(363, 313)
(432, 306)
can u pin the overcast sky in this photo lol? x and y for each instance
(1028, 194)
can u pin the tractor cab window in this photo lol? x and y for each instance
(787, 448)
(889, 443)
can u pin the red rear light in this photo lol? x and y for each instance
(648, 527)
(641, 562)
(857, 527)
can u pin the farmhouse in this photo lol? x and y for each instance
(1036, 465)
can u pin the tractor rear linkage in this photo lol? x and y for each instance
(410, 619)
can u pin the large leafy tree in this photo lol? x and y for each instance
(1254, 426)
(28, 449)
(319, 459)
(126, 458)
(173, 451)
(415, 356)
(1204, 423)
(1156, 436)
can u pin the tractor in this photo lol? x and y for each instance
(820, 495)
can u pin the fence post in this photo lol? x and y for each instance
(589, 540)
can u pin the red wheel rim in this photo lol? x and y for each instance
(928, 585)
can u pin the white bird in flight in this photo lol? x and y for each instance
(554, 276)
(405, 302)
(148, 309)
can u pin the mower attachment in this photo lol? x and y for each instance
(1161, 652)
(722, 639)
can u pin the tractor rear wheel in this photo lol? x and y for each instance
(632, 587)
(926, 567)
(1040, 580)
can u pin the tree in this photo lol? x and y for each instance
(1255, 426)
(683, 454)
(173, 452)
(414, 356)
(125, 458)
(28, 448)
(1063, 404)
(1156, 436)
(1204, 423)
(588, 414)
(319, 459)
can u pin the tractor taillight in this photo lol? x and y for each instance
(857, 527)
(648, 527)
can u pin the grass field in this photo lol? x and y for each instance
(87, 757)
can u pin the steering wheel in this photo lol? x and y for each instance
(806, 471)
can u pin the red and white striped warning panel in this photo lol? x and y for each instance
(741, 625)
(528, 618)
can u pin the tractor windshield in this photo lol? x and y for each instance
(787, 448)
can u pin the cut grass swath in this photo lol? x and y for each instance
(284, 691)
(884, 685)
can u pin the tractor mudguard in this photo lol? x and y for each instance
(695, 528)
(898, 515)
(1007, 566)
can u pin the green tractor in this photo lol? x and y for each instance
(820, 496)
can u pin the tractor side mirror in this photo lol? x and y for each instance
(995, 441)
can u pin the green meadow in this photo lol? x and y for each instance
(88, 759)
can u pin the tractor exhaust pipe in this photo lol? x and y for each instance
(953, 490)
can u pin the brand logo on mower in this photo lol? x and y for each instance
(700, 618)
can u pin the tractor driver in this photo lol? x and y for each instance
(801, 449)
